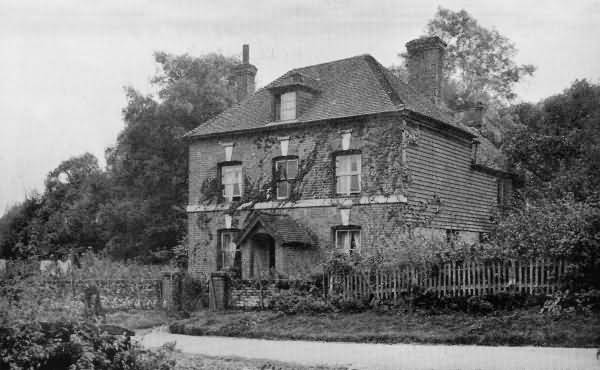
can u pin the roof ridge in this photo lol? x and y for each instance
(331, 62)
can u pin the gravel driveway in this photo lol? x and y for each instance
(383, 356)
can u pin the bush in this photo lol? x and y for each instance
(479, 305)
(587, 302)
(563, 229)
(295, 301)
(61, 345)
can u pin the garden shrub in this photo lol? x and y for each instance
(292, 301)
(61, 345)
(561, 228)
(587, 302)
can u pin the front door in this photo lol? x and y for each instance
(262, 255)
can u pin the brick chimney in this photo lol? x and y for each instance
(243, 75)
(425, 66)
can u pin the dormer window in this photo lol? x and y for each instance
(288, 106)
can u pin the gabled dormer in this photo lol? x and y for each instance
(292, 95)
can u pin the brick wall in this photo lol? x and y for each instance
(250, 297)
(314, 144)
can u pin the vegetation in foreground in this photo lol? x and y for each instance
(517, 327)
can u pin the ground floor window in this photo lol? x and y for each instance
(347, 239)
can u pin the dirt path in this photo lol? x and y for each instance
(383, 356)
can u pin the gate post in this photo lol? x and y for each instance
(171, 290)
(218, 291)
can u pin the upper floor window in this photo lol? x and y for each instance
(231, 181)
(286, 171)
(347, 239)
(347, 173)
(288, 106)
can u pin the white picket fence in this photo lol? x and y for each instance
(450, 279)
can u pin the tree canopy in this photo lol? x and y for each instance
(479, 63)
(557, 151)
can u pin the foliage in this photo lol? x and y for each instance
(479, 61)
(63, 217)
(292, 301)
(559, 228)
(100, 266)
(557, 152)
(61, 346)
(78, 345)
(566, 302)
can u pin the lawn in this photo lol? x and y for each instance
(518, 327)
(200, 362)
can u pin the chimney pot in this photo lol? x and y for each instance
(246, 54)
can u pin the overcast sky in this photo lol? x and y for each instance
(63, 63)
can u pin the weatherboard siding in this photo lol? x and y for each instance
(441, 165)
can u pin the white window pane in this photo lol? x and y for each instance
(355, 243)
(346, 240)
(343, 184)
(354, 183)
(236, 190)
(354, 164)
(292, 169)
(282, 189)
(346, 165)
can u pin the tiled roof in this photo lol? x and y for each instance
(349, 87)
(281, 227)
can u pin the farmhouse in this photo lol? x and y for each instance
(341, 155)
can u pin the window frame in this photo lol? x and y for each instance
(235, 256)
(229, 164)
(289, 181)
(347, 229)
(336, 175)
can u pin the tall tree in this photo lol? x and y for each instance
(148, 164)
(479, 62)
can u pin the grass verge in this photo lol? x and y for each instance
(201, 362)
(514, 328)
(137, 319)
